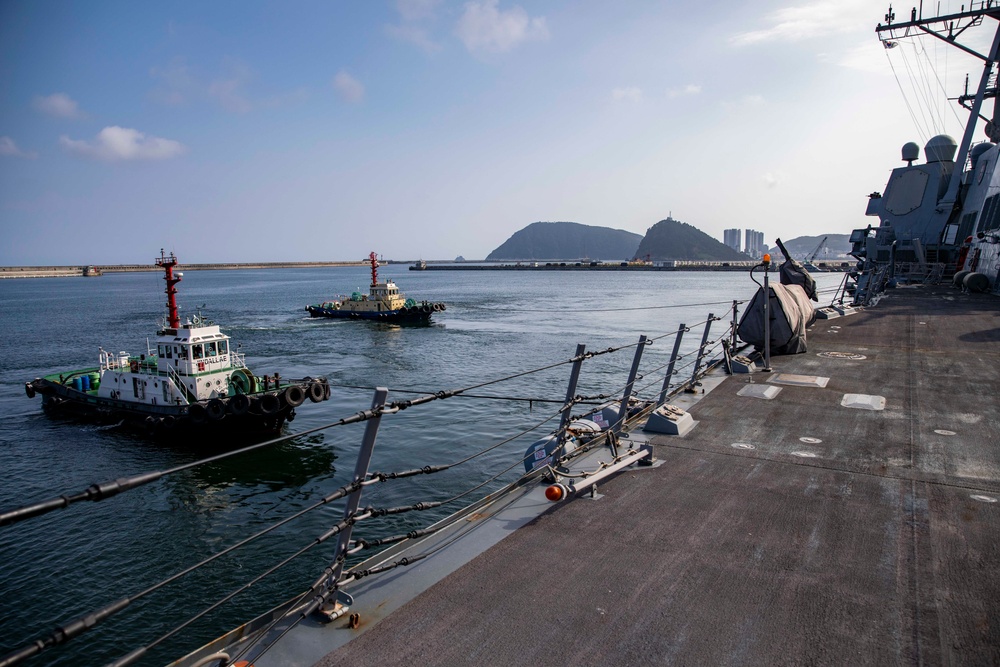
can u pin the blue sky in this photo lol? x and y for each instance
(298, 131)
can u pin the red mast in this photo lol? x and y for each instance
(168, 264)
(373, 258)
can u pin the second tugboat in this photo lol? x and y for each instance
(193, 379)
(384, 302)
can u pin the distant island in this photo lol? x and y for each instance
(672, 239)
(567, 240)
(667, 239)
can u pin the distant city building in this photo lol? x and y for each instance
(731, 237)
(754, 243)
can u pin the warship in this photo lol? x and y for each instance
(838, 505)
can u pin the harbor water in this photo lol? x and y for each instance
(73, 561)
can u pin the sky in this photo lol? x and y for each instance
(311, 131)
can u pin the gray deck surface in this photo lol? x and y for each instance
(872, 550)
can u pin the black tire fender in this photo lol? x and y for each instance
(295, 395)
(239, 405)
(269, 404)
(215, 409)
(317, 392)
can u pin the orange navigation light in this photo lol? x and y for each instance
(555, 493)
(767, 258)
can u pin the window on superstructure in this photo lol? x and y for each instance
(196, 351)
(987, 213)
(223, 347)
(210, 349)
(159, 350)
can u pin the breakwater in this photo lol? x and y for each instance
(680, 265)
(98, 269)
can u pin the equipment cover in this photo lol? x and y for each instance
(790, 313)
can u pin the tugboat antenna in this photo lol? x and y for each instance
(168, 263)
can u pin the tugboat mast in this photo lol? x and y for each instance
(168, 264)
(373, 258)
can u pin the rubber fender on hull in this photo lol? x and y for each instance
(976, 282)
(197, 413)
(215, 409)
(169, 422)
(316, 391)
(29, 389)
(269, 404)
(959, 279)
(152, 424)
(239, 405)
(295, 395)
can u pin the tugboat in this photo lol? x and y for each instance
(193, 379)
(384, 302)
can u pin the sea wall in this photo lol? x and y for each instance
(98, 269)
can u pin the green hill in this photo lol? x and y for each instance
(567, 240)
(672, 239)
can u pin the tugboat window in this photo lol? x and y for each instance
(169, 351)
(196, 350)
(210, 349)
(223, 347)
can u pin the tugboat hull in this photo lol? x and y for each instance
(260, 412)
(420, 313)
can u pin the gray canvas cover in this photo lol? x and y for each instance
(794, 273)
(790, 313)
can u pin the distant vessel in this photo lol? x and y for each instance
(384, 302)
(420, 265)
(193, 379)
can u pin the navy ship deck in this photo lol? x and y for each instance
(843, 536)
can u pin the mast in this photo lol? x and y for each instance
(373, 258)
(951, 26)
(168, 264)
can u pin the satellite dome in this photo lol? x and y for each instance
(977, 151)
(940, 149)
(911, 152)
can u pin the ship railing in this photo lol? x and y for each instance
(186, 396)
(662, 366)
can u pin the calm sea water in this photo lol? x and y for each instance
(73, 561)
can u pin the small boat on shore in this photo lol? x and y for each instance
(384, 302)
(194, 378)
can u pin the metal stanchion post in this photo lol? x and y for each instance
(767, 314)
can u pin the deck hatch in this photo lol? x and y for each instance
(863, 401)
(799, 380)
(759, 391)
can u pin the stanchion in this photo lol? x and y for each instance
(766, 261)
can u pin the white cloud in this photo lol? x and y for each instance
(415, 35)
(416, 10)
(8, 148)
(115, 144)
(866, 57)
(629, 94)
(58, 105)
(820, 18)
(690, 89)
(177, 83)
(772, 179)
(229, 91)
(349, 88)
(484, 27)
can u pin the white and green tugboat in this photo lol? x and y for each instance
(384, 302)
(194, 378)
